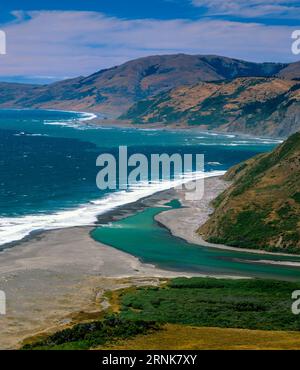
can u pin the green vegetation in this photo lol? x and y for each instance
(251, 228)
(140, 108)
(261, 209)
(90, 335)
(296, 197)
(201, 302)
(256, 105)
(257, 111)
(251, 176)
(248, 229)
(248, 304)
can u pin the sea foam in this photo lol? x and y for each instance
(16, 228)
(73, 122)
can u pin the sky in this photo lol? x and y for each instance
(52, 40)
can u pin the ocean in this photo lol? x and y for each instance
(48, 166)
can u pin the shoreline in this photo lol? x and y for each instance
(63, 274)
(194, 214)
(97, 120)
(123, 124)
(57, 275)
(54, 276)
(86, 214)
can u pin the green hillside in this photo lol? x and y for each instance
(261, 209)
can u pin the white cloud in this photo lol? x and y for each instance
(251, 8)
(78, 43)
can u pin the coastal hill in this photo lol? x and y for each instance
(254, 105)
(291, 72)
(115, 89)
(261, 208)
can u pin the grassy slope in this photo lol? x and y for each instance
(248, 304)
(115, 89)
(93, 334)
(261, 209)
(179, 337)
(268, 106)
(196, 302)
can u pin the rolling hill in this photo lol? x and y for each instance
(254, 105)
(261, 209)
(115, 89)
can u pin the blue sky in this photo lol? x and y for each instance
(167, 9)
(60, 39)
(130, 9)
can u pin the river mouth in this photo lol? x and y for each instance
(142, 236)
(48, 166)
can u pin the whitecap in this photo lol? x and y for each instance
(214, 163)
(17, 228)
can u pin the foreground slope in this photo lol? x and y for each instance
(188, 313)
(261, 209)
(255, 105)
(180, 337)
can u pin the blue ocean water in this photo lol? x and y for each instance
(48, 165)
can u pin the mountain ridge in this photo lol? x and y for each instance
(253, 105)
(114, 90)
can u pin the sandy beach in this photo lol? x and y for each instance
(184, 222)
(56, 277)
(51, 277)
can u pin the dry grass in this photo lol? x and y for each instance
(179, 337)
(114, 300)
